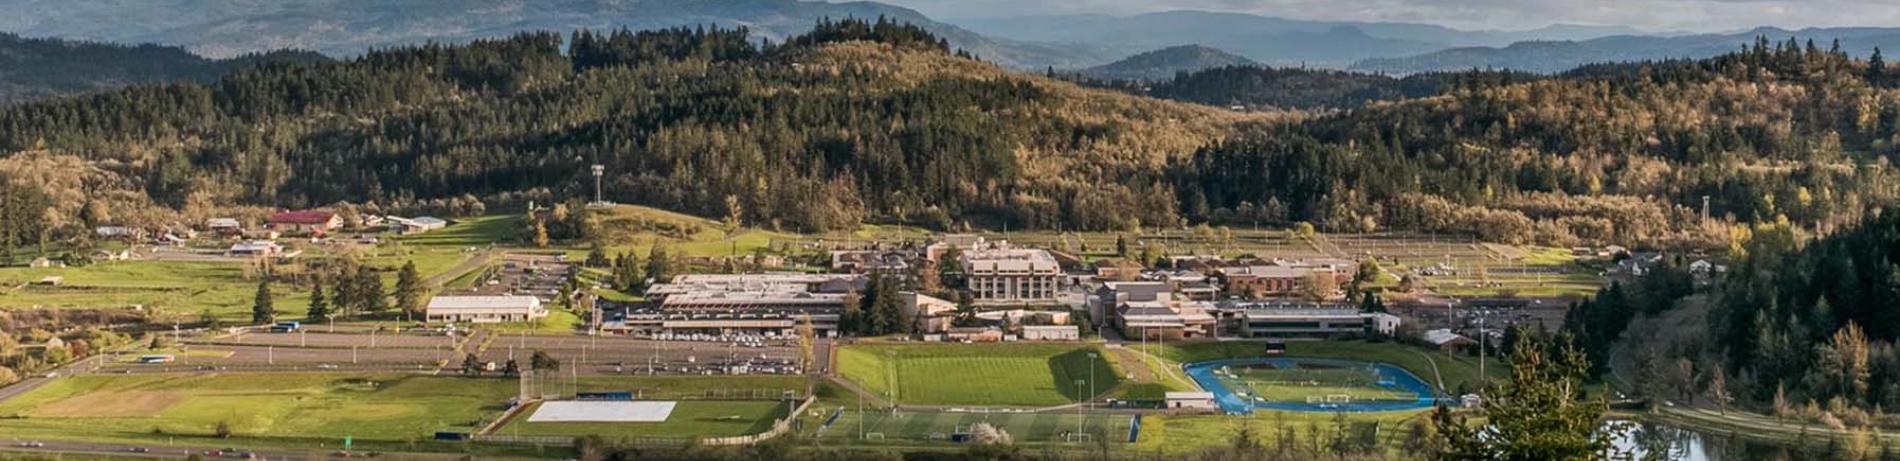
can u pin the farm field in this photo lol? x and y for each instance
(294, 406)
(690, 419)
(1432, 366)
(978, 374)
(176, 288)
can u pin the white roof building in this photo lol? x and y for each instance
(485, 309)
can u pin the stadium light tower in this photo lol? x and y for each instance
(598, 171)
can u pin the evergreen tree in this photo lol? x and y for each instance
(370, 288)
(319, 307)
(659, 264)
(1539, 413)
(1876, 69)
(409, 289)
(262, 310)
(874, 322)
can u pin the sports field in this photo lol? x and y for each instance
(690, 418)
(1434, 367)
(387, 407)
(1305, 382)
(978, 374)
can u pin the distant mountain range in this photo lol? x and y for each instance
(1166, 63)
(34, 68)
(1274, 41)
(223, 28)
(1558, 56)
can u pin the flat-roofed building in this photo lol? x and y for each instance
(1307, 320)
(1165, 319)
(1190, 400)
(1051, 333)
(485, 309)
(998, 274)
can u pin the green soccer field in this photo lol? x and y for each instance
(1301, 385)
(978, 374)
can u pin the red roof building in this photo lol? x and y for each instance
(313, 222)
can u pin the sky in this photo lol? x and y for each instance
(1651, 15)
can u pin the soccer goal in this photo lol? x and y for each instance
(1078, 437)
(1339, 398)
(874, 436)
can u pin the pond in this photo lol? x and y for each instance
(1678, 444)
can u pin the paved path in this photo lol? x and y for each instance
(1436, 377)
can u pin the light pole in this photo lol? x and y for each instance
(1080, 420)
(1091, 397)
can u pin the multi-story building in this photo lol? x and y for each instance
(998, 274)
(1305, 320)
(1285, 278)
(724, 305)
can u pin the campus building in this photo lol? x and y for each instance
(308, 222)
(738, 304)
(1305, 320)
(485, 309)
(998, 274)
(1285, 278)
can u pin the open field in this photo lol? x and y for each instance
(690, 419)
(182, 289)
(386, 407)
(978, 374)
(390, 410)
(1186, 433)
(884, 427)
(1430, 365)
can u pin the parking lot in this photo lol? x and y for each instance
(523, 274)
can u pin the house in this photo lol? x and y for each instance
(306, 222)
(227, 227)
(485, 309)
(1190, 400)
(255, 248)
(1051, 333)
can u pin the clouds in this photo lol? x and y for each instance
(1659, 15)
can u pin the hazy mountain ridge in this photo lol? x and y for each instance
(221, 28)
(1166, 63)
(33, 68)
(1267, 39)
(1559, 56)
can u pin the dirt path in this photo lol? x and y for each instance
(1131, 362)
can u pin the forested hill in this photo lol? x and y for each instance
(1165, 63)
(32, 68)
(851, 121)
(1259, 87)
(1625, 154)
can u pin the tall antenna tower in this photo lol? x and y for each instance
(598, 171)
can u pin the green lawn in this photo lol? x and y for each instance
(182, 289)
(558, 321)
(1169, 434)
(1455, 370)
(690, 418)
(977, 374)
(307, 406)
(472, 231)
